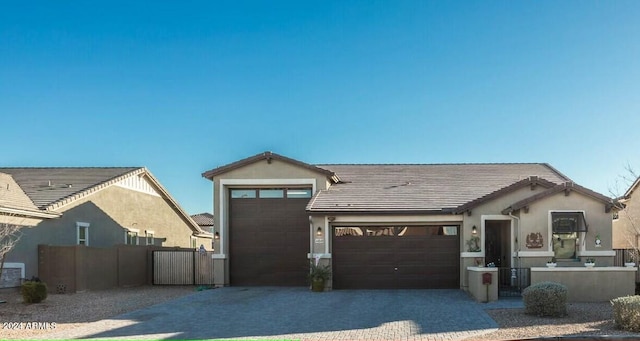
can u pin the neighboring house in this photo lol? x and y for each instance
(626, 224)
(16, 210)
(399, 226)
(205, 221)
(98, 207)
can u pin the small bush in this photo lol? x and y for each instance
(626, 312)
(34, 291)
(545, 299)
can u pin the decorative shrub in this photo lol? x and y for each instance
(626, 312)
(34, 291)
(545, 299)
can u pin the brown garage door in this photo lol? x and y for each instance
(396, 257)
(269, 237)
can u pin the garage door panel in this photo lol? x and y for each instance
(269, 241)
(421, 258)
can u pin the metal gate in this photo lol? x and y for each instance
(177, 267)
(512, 281)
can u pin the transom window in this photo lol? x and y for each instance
(565, 229)
(267, 193)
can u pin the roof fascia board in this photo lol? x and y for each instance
(29, 213)
(532, 180)
(56, 205)
(267, 156)
(567, 186)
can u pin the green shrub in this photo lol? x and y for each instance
(34, 291)
(626, 312)
(545, 299)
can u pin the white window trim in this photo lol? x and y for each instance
(580, 247)
(226, 184)
(8, 265)
(191, 241)
(79, 225)
(137, 232)
(147, 234)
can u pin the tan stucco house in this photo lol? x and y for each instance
(95, 207)
(399, 225)
(626, 224)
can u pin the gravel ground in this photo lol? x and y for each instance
(72, 310)
(584, 319)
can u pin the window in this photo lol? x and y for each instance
(271, 193)
(299, 193)
(149, 237)
(131, 237)
(243, 193)
(194, 242)
(82, 234)
(565, 228)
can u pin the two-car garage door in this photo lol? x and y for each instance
(396, 257)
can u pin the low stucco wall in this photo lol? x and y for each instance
(478, 290)
(597, 284)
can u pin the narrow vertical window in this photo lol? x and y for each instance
(82, 233)
(194, 242)
(131, 237)
(149, 237)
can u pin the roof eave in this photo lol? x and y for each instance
(267, 156)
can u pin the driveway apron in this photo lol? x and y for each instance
(299, 314)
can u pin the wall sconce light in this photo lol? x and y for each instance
(474, 230)
(216, 235)
(319, 231)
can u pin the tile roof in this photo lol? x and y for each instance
(424, 188)
(47, 186)
(203, 219)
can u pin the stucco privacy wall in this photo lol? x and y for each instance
(108, 212)
(261, 173)
(538, 219)
(490, 210)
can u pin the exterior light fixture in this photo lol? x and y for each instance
(474, 230)
(216, 235)
(319, 231)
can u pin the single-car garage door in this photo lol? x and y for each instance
(268, 236)
(396, 257)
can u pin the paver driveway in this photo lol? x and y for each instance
(297, 313)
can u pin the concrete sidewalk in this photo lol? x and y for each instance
(299, 314)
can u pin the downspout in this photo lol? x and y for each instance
(519, 238)
(310, 237)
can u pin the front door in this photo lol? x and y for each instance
(497, 250)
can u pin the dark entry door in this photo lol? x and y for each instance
(391, 257)
(268, 239)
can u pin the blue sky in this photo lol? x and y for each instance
(183, 87)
